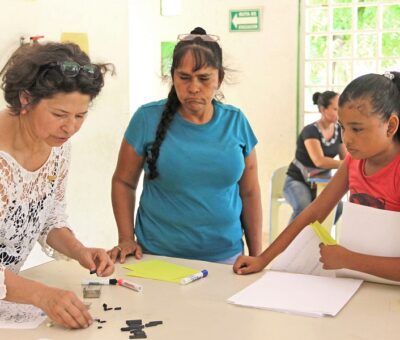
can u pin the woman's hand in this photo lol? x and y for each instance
(248, 264)
(125, 247)
(63, 307)
(333, 257)
(96, 259)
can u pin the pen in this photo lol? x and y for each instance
(194, 277)
(99, 282)
(130, 285)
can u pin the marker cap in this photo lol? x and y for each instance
(205, 272)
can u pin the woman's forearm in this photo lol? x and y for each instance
(64, 241)
(252, 221)
(328, 163)
(123, 203)
(22, 290)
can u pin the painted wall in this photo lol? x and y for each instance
(128, 33)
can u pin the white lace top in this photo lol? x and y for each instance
(31, 204)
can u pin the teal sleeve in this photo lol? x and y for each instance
(249, 138)
(136, 132)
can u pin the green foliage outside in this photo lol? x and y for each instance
(338, 36)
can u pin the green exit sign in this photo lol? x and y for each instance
(244, 20)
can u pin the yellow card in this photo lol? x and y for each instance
(323, 234)
(81, 39)
(159, 270)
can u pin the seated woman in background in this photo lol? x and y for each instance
(200, 190)
(317, 145)
(48, 89)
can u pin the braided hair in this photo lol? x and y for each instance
(205, 53)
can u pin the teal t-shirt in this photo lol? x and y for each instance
(192, 209)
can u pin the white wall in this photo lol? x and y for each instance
(265, 82)
(265, 61)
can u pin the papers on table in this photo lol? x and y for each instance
(298, 293)
(370, 231)
(160, 270)
(364, 230)
(298, 284)
(20, 316)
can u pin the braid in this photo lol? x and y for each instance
(166, 118)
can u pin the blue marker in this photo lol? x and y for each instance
(194, 277)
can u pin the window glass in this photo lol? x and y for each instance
(317, 20)
(367, 18)
(367, 46)
(363, 67)
(342, 19)
(342, 46)
(316, 47)
(390, 44)
(345, 39)
(316, 73)
(341, 72)
(391, 17)
(317, 2)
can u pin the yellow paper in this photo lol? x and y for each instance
(159, 270)
(323, 234)
(81, 39)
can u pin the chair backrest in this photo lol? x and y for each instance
(276, 199)
(277, 181)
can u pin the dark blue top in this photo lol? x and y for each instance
(330, 148)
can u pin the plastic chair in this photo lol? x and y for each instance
(276, 199)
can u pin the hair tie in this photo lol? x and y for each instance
(388, 75)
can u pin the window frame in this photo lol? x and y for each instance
(306, 111)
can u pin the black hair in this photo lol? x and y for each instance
(206, 52)
(323, 99)
(383, 91)
(32, 69)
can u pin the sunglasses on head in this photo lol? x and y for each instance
(204, 37)
(72, 69)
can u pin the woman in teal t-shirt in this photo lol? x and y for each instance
(200, 191)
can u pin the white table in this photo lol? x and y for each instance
(199, 311)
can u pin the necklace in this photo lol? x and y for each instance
(334, 137)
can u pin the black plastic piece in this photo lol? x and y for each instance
(153, 323)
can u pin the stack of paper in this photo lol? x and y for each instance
(159, 270)
(370, 231)
(364, 230)
(297, 293)
(297, 283)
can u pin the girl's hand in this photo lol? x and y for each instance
(63, 307)
(96, 259)
(248, 264)
(333, 257)
(125, 247)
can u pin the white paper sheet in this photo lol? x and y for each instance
(297, 293)
(370, 231)
(302, 256)
(20, 316)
